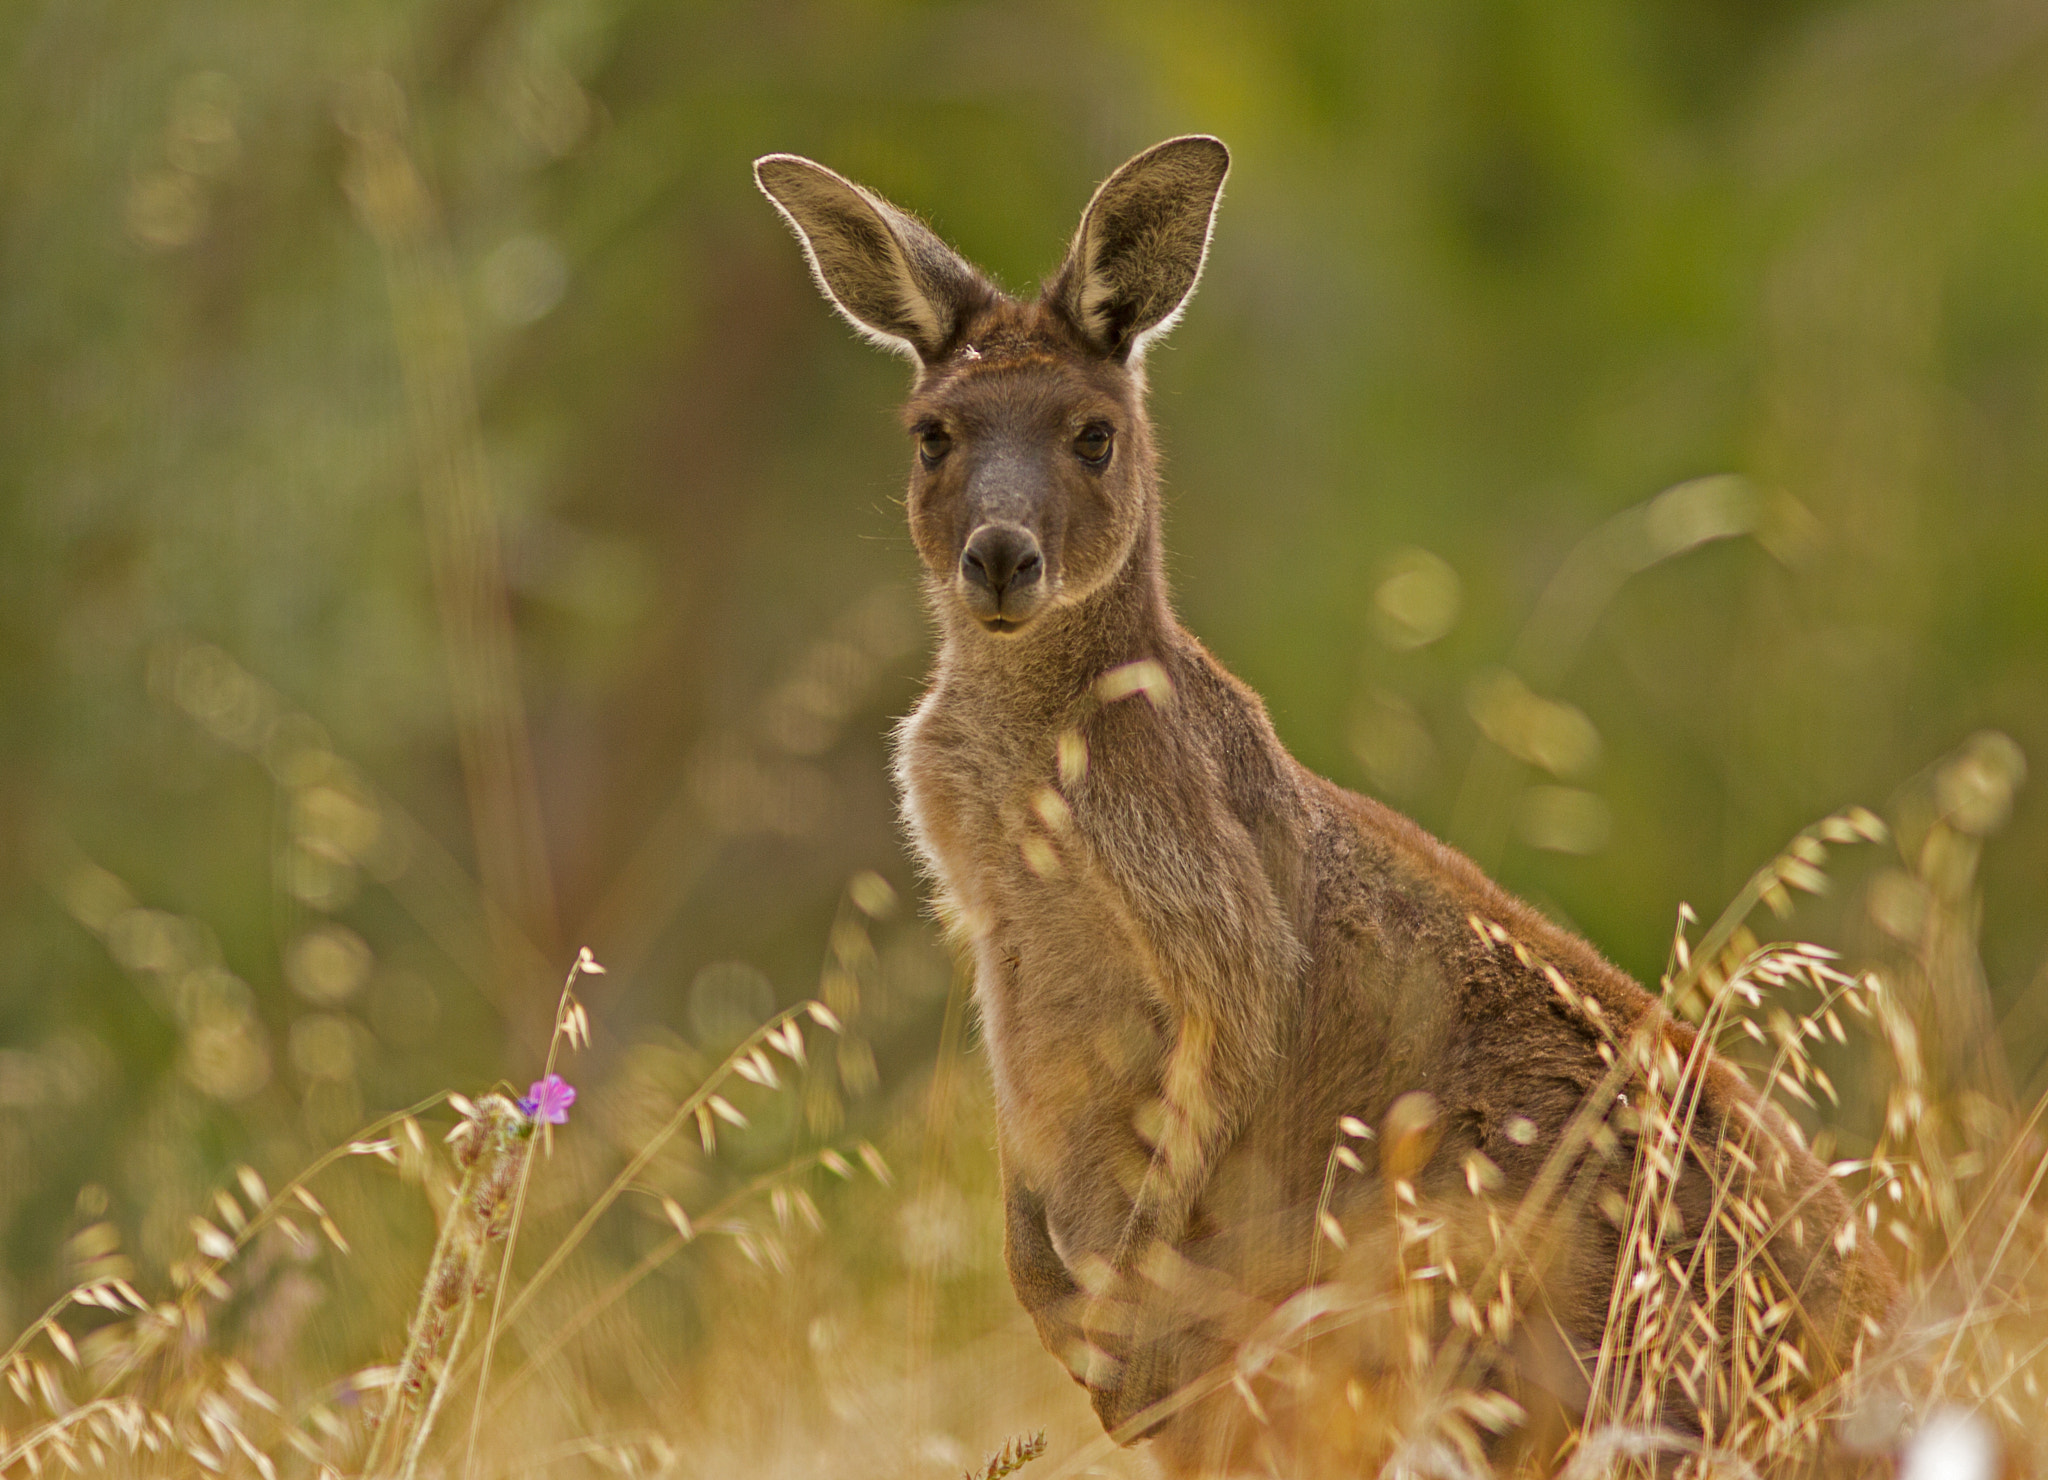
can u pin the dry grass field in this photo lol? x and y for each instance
(686, 1270)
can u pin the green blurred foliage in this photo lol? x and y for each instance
(424, 460)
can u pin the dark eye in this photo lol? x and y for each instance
(932, 445)
(1093, 445)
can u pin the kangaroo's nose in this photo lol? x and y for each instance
(1002, 558)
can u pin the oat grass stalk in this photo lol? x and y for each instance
(573, 1026)
(493, 1147)
(219, 1248)
(51, 1433)
(1011, 1458)
(706, 1106)
(688, 1230)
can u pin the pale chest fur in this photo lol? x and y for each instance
(955, 790)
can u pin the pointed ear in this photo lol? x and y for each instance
(1141, 244)
(893, 280)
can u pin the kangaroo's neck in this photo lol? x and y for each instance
(1035, 677)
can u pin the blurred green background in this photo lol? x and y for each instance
(441, 526)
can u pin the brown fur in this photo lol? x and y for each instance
(1192, 955)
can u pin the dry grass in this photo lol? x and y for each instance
(815, 1350)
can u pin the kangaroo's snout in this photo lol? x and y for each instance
(1001, 572)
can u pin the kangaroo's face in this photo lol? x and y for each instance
(1032, 468)
(1030, 472)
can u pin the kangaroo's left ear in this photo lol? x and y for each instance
(1141, 244)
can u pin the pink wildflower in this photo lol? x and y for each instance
(549, 1099)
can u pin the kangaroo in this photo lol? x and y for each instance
(1192, 955)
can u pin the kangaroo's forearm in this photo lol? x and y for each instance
(1220, 957)
(1044, 1285)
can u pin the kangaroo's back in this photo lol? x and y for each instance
(1208, 976)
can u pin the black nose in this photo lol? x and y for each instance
(1002, 558)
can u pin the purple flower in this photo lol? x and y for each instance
(549, 1099)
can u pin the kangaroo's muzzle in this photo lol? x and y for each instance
(1002, 576)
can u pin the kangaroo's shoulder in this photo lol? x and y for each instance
(1449, 904)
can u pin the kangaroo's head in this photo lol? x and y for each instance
(1032, 478)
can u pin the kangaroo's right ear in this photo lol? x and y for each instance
(892, 278)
